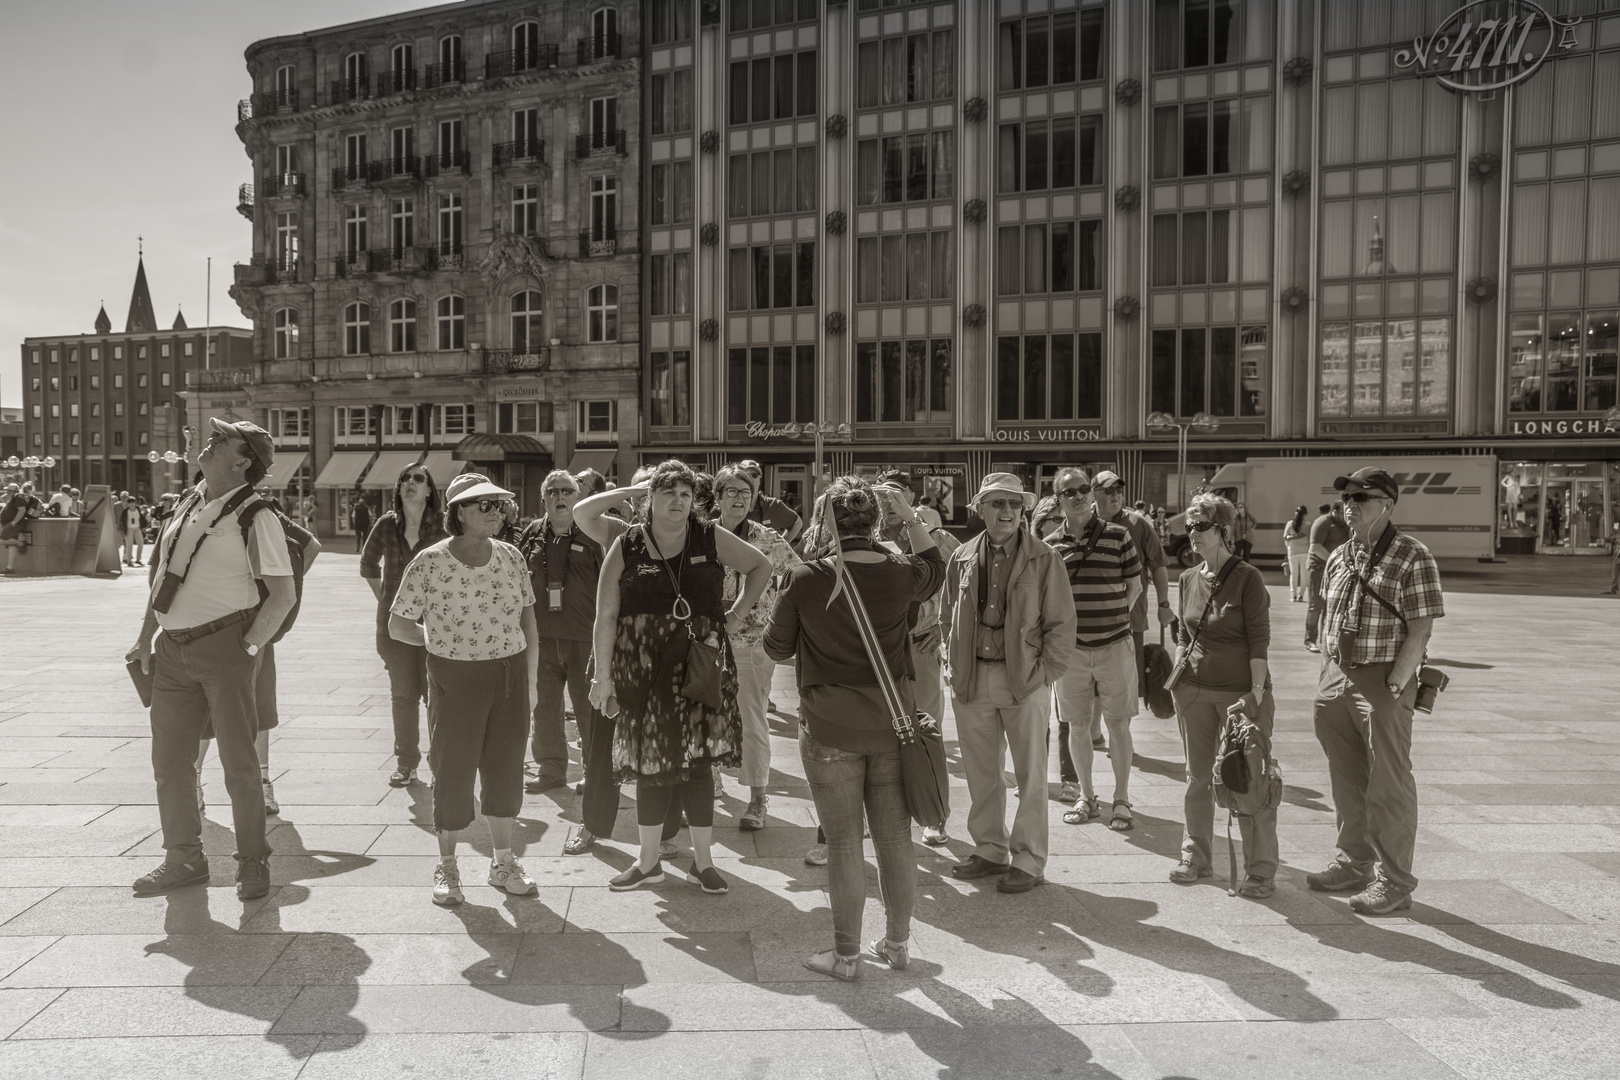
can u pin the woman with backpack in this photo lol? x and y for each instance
(1297, 543)
(1222, 637)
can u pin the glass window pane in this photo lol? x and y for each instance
(1164, 250)
(1035, 258)
(1372, 121)
(1088, 377)
(894, 268)
(1007, 380)
(868, 76)
(917, 274)
(942, 264)
(1566, 233)
(760, 90)
(1063, 256)
(916, 382)
(658, 291)
(1400, 367)
(737, 386)
(1563, 357)
(919, 71)
(894, 71)
(1063, 48)
(1166, 35)
(681, 291)
(1195, 139)
(867, 271)
(759, 383)
(804, 389)
(785, 182)
(944, 63)
(1035, 377)
(866, 172)
(1009, 280)
(1338, 125)
(805, 275)
(1009, 157)
(781, 384)
(1089, 170)
(1256, 244)
(785, 102)
(1254, 370)
(943, 169)
(738, 281)
(1334, 379)
(1062, 377)
(1222, 132)
(1163, 377)
(1010, 56)
(762, 184)
(782, 275)
(917, 167)
(890, 387)
(1166, 142)
(893, 169)
(1088, 256)
(807, 177)
(739, 91)
(939, 380)
(1524, 364)
(1367, 398)
(762, 277)
(1192, 397)
(865, 382)
(806, 83)
(1063, 152)
(1035, 165)
(1194, 249)
(1434, 383)
(1223, 370)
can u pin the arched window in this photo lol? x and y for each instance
(526, 323)
(286, 329)
(356, 76)
(402, 326)
(602, 312)
(525, 46)
(452, 322)
(357, 329)
(452, 67)
(402, 68)
(604, 33)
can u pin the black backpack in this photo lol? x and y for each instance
(298, 539)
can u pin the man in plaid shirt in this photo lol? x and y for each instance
(1367, 690)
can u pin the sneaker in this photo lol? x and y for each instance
(1311, 646)
(544, 783)
(172, 876)
(509, 876)
(635, 878)
(1259, 888)
(1380, 898)
(271, 807)
(753, 818)
(402, 776)
(1070, 792)
(719, 788)
(816, 856)
(1186, 873)
(252, 876)
(668, 849)
(934, 835)
(1339, 877)
(446, 885)
(708, 879)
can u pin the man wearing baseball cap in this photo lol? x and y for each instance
(205, 667)
(1383, 595)
(1009, 619)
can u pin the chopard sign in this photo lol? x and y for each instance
(1488, 44)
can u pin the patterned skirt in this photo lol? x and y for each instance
(659, 736)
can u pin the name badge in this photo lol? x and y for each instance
(700, 558)
(575, 547)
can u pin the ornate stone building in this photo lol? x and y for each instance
(445, 231)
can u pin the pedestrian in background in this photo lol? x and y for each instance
(1222, 637)
(472, 596)
(1383, 595)
(1328, 531)
(847, 743)
(769, 510)
(19, 507)
(415, 524)
(360, 517)
(1297, 549)
(131, 530)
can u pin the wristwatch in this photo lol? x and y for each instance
(252, 650)
(1394, 688)
(1164, 603)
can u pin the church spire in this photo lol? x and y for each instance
(142, 319)
(103, 324)
(179, 320)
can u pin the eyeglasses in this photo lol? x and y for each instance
(487, 506)
(1003, 504)
(557, 493)
(414, 478)
(736, 493)
(1201, 526)
(1359, 496)
(1075, 492)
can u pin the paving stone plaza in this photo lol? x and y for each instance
(1508, 964)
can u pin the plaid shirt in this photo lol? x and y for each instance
(386, 553)
(1406, 576)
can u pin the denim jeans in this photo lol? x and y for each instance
(844, 784)
(407, 686)
(1315, 599)
(562, 663)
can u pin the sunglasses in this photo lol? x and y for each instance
(414, 478)
(1075, 492)
(1201, 526)
(486, 506)
(1004, 504)
(1359, 496)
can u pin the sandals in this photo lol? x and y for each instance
(842, 968)
(1121, 822)
(581, 842)
(896, 956)
(1085, 808)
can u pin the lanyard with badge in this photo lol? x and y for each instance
(554, 585)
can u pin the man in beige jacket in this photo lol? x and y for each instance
(1009, 617)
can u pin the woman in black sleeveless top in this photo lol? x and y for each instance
(663, 579)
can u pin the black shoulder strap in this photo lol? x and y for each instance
(1378, 553)
(1220, 579)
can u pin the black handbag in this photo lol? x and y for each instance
(704, 663)
(923, 774)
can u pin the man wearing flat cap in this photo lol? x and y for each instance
(205, 665)
(1009, 619)
(1383, 595)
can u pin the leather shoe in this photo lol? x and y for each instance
(543, 783)
(977, 867)
(1017, 881)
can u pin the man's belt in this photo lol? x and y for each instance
(192, 633)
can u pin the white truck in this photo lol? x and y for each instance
(1448, 501)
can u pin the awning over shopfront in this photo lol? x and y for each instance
(282, 470)
(442, 467)
(600, 460)
(385, 470)
(487, 446)
(343, 470)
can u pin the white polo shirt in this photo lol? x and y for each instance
(220, 579)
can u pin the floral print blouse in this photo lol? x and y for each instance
(469, 612)
(776, 549)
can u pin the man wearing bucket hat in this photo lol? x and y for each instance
(1383, 595)
(1010, 620)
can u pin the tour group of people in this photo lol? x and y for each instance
(662, 607)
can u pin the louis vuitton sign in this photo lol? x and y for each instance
(1488, 44)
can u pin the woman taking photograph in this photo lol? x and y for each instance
(476, 605)
(1223, 634)
(734, 492)
(415, 523)
(658, 604)
(1297, 544)
(846, 739)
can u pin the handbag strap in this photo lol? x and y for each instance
(902, 722)
(1220, 579)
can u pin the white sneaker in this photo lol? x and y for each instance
(719, 789)
(446, 885)
(509, 875)
(271, 807)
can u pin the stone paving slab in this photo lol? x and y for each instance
(1507, 965)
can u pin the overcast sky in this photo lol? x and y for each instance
(118, 122)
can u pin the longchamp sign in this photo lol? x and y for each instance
(1489, 44)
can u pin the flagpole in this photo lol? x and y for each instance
(208, 315)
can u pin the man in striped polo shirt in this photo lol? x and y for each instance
(1104, 572)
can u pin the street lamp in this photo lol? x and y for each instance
(1203, 423)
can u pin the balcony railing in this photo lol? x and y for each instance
(394, 168)
(500, 361)
(601, 142)
(219, 378)
(275, 184)
(350, 90)
(516, 61)
(446, 257)
(254, 274)
(444, 74)
(396, 82)
(244, 201)
(268, 103)
(447, 161)
(599, 47)
(352, 175)
(507, 153)
(596, 245)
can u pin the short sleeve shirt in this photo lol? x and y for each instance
(468, 612)
(1407, 577)
(218, 569)
(1099, 580)
(1150, 551)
